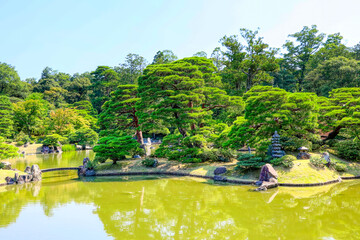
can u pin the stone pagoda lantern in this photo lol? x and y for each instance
(276, 151)
(303, 154)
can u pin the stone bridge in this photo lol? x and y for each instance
(59, 169)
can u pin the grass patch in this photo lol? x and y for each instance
(68, 147)
(304, 172)
(110, 166)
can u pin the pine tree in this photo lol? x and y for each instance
(119, 113)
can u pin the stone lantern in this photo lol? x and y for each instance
(303, 154)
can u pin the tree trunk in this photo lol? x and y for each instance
(182, 131)
(191, 105)
(248, 83)
(139, 135)
(334, 133)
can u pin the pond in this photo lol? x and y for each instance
(175, 208)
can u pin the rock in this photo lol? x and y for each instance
(45, 149)
(24, 179)
(79, 147)
(85, 161)
(220, 178)
(81, 171)
(303, 155)
(27, 170)
(36, 172)
(16, 176)
(267, 172)
(137, 156)
(90, 173)
(28, 177)
(7, 165)
(9, 180)
(220, 170)
(20, 180)
(156, 163)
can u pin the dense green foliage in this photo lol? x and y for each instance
(54, 140)
(249, 162)
(116, 147)
(7, 150)
(285, 161)
(202, 108)
(84, 136)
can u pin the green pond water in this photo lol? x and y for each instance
(172, 208)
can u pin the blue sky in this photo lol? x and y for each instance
(77, 36)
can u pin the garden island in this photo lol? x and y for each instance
(173, 149)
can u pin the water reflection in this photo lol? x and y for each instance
(182, 208)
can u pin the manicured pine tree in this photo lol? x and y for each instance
(119, 113)
(181, 94)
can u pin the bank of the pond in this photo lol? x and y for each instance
(302, 174)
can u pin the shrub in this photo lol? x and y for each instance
(220, 155)
(192, 160)
(316, 161)
(91, 164)
(22, 137)
(340, 167)
(286, 161)
(100, 159)
(84, 136)
(292, 144)
(149, 162)
(68, 148)
(116, 147)
(208, 155)
(20, 143)
(54, 140)
(250, 161)
(2, 165)
(349, 150)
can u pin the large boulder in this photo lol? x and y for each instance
(7, 165)
(268, 178)
(36, 172)
(267, 172)
(220, 170)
